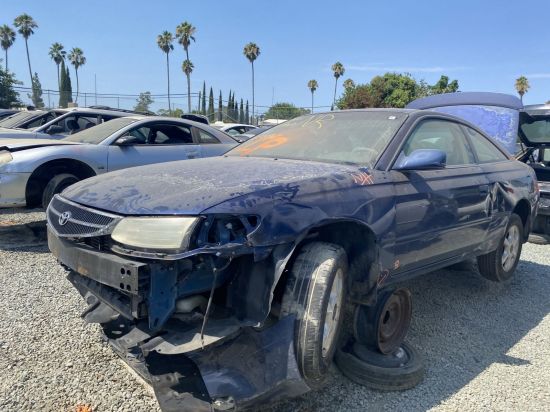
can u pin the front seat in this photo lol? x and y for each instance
(73, 126)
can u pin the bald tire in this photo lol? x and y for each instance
(306, 296)
(56, 185)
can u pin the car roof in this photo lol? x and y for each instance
(467, 98)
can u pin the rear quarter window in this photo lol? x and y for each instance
(485, 150)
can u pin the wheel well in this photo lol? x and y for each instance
(359, 242)
(45, 172)
(523, 210)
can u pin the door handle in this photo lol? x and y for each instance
(193, 154)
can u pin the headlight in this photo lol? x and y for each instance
(157, 233)
(5, 157)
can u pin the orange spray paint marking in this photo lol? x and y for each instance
(362, 178)
(267, 143)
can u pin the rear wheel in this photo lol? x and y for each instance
(56, 185)
(315, 293)
(500, 264)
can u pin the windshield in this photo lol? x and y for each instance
(536, 129)
(15, 119)
(97, 134)
(349, 137)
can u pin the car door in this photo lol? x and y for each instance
(155, 142)
(440, 213)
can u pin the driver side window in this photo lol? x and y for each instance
(441, 135)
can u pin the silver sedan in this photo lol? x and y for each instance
(32, 171)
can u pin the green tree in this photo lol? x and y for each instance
(211, 106)
(8, 96)
(522, 86)
(220, 107)
(7, 38)
(246, 114)
(36, 95)
(241, 112)
(57, 54)
(312, 85)
(284, 111)
(69, 86)
(443, 86)
(77, 59)
(185, 32)
(337, 71)
(25, 26)
(143, 102)
(165, 43)
(251, 52)
(187, 67)
(172, 113)
(348, 84)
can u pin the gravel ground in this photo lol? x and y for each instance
(486, 346)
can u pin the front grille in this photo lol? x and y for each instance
(69, 219)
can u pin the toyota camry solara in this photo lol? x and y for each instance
(222, 280)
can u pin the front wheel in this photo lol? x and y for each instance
(315, 293)
(56, 185)
(500, 264)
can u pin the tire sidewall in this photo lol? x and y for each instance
(503, 275)
(56, 185)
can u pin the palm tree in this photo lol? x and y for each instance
(57, 54)
(7, 38)
(164, 41)
(77, 59)
(185, 33)
(252, 51)
(338, 70)
(313, 85)
(348, 84)
(25, 26)
(522, 86)
(187, 67)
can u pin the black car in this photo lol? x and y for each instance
(534, 132)
(222, 281)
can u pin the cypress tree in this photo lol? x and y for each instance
(220, 107)
(211, 105)
(69, 87)
(199, 105)
(246, 114)
(241, 112)
(203, 110)
(36, 96)
(236, 110)
(63, 86)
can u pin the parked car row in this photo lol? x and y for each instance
(236, 269)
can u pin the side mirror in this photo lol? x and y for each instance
(423, 159)
(126, 140)
(54, 129)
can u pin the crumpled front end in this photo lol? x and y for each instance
(198, 324)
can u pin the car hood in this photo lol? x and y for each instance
(14, 145)
(192, 186)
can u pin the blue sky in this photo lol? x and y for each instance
(486, 45)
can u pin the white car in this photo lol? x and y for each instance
(233, 129)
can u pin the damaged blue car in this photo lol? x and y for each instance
(223, 281)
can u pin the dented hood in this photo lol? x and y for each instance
(192, 186)
(21, 144)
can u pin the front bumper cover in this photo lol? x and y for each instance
(233, 366)
(12, 189)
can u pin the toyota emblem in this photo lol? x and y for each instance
(64, 218)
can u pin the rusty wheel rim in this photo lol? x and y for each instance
(394, 321)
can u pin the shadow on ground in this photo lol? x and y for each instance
(462, 324)
(22, 235)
